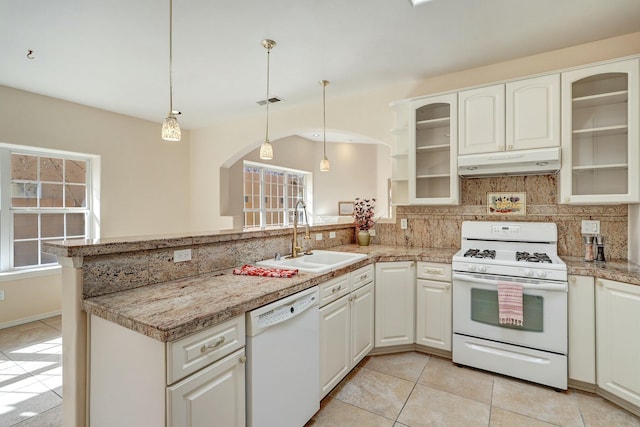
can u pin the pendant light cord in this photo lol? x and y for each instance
(170, 57)
(266, 138)
(324, 119)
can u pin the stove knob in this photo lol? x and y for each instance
(541, 274)
(472, 267)
(528, 272)
(482, 269)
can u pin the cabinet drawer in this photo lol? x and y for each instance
(362, 276)
(434, 271)
(333, 289)
(196, 351)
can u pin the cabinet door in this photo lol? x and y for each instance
(618, 338)
(600, 150)
(214, 395)
(582, 329)
(334, 344)
(433, 314)
(362, 309)
(481, 120)
(533, 113)
(394, 302)
(433, 155)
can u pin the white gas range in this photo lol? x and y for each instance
(521, 255)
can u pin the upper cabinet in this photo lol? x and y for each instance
(399, 182)
(533, 113)
(600, 134)
(481, 115)
(519, 115)
(432, 158)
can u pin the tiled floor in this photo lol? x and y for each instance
(31, 374)
(405, 389)
(413, 389)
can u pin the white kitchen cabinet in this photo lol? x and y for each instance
(533, 113)
(582, 329)
(481, 120)
(395, 303)
(399, 182)
(618, 338)
(601, 157)
(433, 305)
(433, 178)
(182, 383)
(346, 325)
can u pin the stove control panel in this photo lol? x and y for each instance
(505, 229)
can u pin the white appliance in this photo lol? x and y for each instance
(518, 162)
(520, 252)
(283, 361)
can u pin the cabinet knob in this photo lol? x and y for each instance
(567, 199)
(572, 279)
(243, 359)
(447, 286)
(509, 147)
(599, 283)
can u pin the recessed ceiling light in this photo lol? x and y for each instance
(418, 2)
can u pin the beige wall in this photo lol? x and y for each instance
(354, 173)
(144, 182)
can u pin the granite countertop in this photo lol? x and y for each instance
(172, 310)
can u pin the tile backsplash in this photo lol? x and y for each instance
(439, 226)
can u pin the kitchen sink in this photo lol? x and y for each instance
(319, 262)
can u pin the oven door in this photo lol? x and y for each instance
(475, 311)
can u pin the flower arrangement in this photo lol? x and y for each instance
(363, 210)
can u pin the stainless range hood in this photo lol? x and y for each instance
(524, 162)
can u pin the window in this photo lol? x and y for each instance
(44, 195)
(271, 194)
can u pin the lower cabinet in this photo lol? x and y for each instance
(395, 303)
(618, 338)
(582, 329)
(346, 325)
(433, 305)
(137, 380)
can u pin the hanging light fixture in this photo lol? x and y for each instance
(170, 127)
(324, 163)
(266, 150)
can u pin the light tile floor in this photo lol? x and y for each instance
(31, 374)
(415, 390)
(405, 389)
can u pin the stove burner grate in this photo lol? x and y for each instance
(535, 257)
(477, 253)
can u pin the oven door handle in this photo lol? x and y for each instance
(538, 286)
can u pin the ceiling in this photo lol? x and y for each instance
(114, 54)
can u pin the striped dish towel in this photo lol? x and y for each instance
(510, 303)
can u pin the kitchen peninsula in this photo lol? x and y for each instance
(135, 283)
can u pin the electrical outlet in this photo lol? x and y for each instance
(590, 227)
(182, 255)
(1, 294)
(372, 232)
(318, 236)
(404, 223)
(332, 234)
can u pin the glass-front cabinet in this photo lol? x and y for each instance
(601, 157)
(433, 153)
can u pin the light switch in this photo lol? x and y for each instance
(590, 227)
(182, 255)
(404, 223)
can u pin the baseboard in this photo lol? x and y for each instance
(410, 347)
(30, 319)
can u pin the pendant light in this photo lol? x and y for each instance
(266, 150)
(170, 127)
(324, 163)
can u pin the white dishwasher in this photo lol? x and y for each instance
(283, 361)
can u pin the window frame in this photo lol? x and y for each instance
(286, 209)
(8, 212)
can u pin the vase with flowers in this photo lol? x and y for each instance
(363, 211)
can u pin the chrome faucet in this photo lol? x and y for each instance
(296, 251)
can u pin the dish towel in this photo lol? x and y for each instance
(252, 270)
(510, 303)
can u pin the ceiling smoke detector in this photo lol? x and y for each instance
(272, 100)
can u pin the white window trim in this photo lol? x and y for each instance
(6, 223)
(308, 193)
